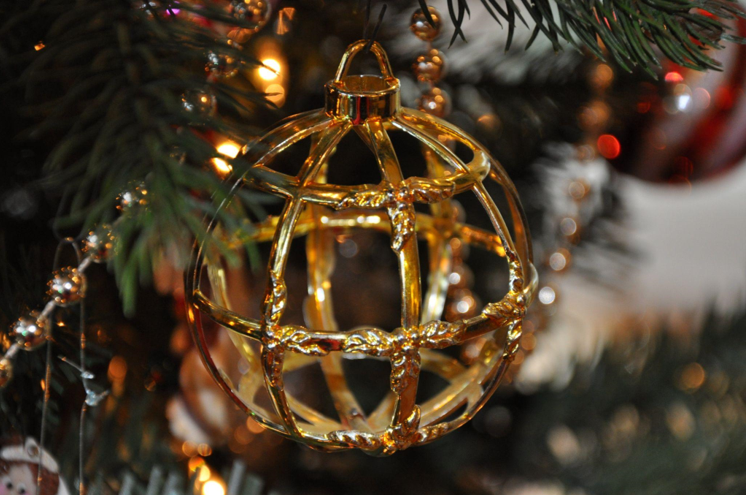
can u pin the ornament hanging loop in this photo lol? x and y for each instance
(363, 97)
(357, 47)
(67, 241)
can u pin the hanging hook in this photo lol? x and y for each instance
(370, 38)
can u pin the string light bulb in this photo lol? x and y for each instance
(221, 166)
(271, 69)
(213, 487)
(229, 149)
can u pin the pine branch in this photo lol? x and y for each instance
(627, 31)
(666, 415)
(108, 85)
(117, 73)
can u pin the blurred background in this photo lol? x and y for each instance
(631, 378)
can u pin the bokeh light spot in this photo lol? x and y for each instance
(674, 77)
(608, 146)
(271, 69)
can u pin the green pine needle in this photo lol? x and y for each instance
(625, 31)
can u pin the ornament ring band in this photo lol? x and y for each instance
(363, 97)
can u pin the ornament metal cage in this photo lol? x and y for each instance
(369, 106)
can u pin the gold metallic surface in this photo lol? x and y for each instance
(318, 210)
(430, 67)
(435, 101)
(362, 98)
(421, 27)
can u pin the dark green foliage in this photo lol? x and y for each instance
(108, 87)
(626, 31)
(640, 428)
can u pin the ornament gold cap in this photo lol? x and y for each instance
(363, 97)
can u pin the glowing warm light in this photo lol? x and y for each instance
(528, 341)
(204, 474)
(608, 146)
(271, 69)
(519, 357)
(221, 166)
(39, 46)
(213, 487)
(253, 426)
(602, 76)
(242, 435)
(693, 376)
(283, 20)
(276, 94)
(189, 449)
(674, 77)
(229, 149)
(195, 463)
(490, 120)
(117, 368)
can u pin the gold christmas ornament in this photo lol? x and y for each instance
(422, 28)
(224, 63)
(255, 12)
(30, 331)
(430, 67)
(67, 286)
(6, 372)
(435, 101)
(272, 349)
(136, 196)
(202, 103)
(99, 244)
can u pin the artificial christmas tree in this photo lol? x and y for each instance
(130, 115)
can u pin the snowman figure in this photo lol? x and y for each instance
(19, 468)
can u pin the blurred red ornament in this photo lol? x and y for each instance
(691, 127)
